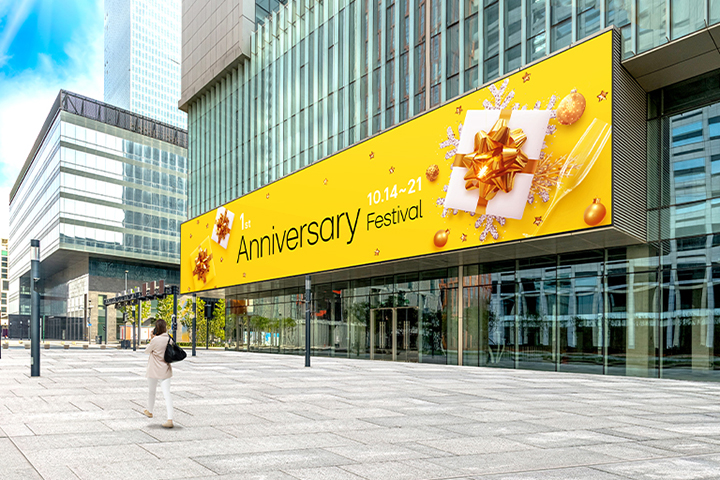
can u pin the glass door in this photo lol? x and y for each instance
(382, 326)
(406, 335)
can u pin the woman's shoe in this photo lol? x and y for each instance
(147, 414)
(168, 424)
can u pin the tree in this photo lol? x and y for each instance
(200, 322)
(144, 310)
(185, 315)
(165, 310)
(217, 324)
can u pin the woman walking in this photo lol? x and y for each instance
(158, 371)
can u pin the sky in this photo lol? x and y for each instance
(45, 46)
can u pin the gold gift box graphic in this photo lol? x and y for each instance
(202, 268)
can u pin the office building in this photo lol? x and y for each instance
(4, 284)
(104, 191)
(142, 58)
(323, 81)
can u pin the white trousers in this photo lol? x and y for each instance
(165, 385)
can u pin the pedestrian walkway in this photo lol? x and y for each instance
(259, 416)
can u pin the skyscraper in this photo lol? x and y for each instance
(142, 58)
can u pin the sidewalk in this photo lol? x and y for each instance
(261, 416)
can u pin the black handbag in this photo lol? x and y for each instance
(173, 352)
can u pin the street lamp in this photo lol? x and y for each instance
(125, 305)
(34, 308)
(89, 322)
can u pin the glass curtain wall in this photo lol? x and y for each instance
(416, 314)
(325, 75)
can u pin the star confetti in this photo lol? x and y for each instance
(603, 95)
(377, 252)
(221, 259)
(392, 169)
(267, 196)
(463, 237)
(207, 225)
(489, 221)
(244, 274)
(325, 181)
(372, 155)
(198, 222)
(526, 77)
(538, 221)
(191, 235)
(458, 110)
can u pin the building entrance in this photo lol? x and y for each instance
(394, 334)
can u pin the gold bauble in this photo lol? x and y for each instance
(432, 172)
(570, 108)
(595, 213)
(441, 237)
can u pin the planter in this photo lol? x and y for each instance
(85, 346)
(66, 346)
(47, 346)
(27, 346)
(102, 347)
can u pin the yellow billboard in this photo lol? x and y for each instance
(528, 156)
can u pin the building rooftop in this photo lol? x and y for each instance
(107, 114)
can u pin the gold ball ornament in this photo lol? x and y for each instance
(441, 238)
(571, 108)
(594, 213)
(432, 172)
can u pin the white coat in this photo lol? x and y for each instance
(157, 367)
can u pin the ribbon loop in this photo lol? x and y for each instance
(202, 264)
(496, 160)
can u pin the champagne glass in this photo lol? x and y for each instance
(579, 162)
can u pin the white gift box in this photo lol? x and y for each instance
(231, 216)
(512, 204)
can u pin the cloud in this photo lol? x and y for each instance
(26, 98)
(10, 28)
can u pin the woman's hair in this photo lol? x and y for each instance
(160, 327)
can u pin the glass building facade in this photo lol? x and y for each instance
(324, 76)
(142, 58)
(101, 186)
(643, 310)
(4, 284)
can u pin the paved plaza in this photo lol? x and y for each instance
(259, 416)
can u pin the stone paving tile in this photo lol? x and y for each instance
(257, 462)
(566, 439)
(628, 451)
(580, 473)
(379, 452)
(694, 468)
(685, 446)
(327, 473)
(397, 434)
(405, 470)
(478, 445)
(15, 430)
(145, 468)
(528, 460)
(253, 416)
(50, 442)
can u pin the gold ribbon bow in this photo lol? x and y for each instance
(223, 226)
(202, 264)
(496, 160)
